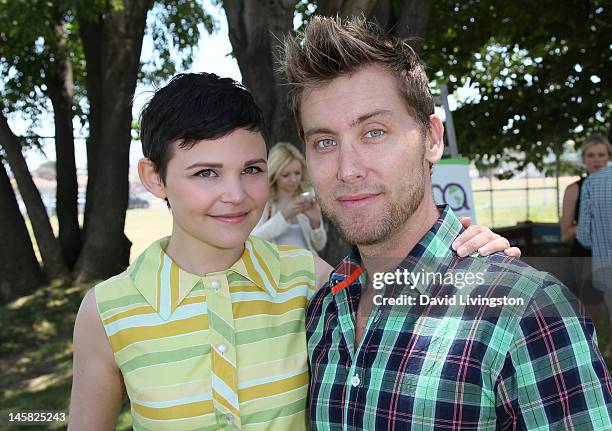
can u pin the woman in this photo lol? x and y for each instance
(291, 216)
(595, 155)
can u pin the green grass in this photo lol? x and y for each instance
(36, 352)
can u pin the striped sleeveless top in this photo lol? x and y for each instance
(222, 351)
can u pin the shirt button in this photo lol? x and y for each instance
(229, 417)
(221, 348)
(355, 380)
(215, 284)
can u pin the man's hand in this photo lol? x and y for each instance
(481, 239)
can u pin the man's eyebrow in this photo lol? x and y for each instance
(369, 115)
(353, 123)
(220, 165)
(316, 130)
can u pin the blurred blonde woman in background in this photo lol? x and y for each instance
(596, 154)
(292, 215)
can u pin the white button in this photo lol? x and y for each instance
(355, 380)
(229, 417)
(221, 348)
(215, 284)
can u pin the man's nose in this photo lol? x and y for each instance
(350, 165)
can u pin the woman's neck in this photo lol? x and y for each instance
(198, 257)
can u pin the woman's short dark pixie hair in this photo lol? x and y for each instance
(193, 107)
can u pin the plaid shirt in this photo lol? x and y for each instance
(595, 225)
(534, 366)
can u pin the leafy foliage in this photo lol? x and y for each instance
(537, 72)
(174, 27)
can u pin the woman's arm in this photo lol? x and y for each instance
(568, 213)
(270, 229)
(318, 236)
(97, 383)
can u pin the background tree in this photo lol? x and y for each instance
(83, 58)
(538, 74)
(19, 269)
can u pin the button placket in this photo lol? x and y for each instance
(223, 362)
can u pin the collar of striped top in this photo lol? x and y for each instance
(429, 254)
(154, 273)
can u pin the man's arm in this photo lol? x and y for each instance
(554, 377)
(97, 383)
(583, 231)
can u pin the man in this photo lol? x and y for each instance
(595, 228)
(366, 117)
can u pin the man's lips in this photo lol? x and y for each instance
(230, 218)
(358, 200)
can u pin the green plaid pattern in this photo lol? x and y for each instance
(533, 365)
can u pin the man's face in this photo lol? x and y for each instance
(218, 188)
(366, 156)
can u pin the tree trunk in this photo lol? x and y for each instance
(20, 273)
(60, 87)
(412, 22)
(111, 79)
(256, 30)
(48, 245)
(345, 8)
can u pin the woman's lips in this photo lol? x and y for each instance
(233, 218)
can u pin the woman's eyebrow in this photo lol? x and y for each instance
(205, 165)
(255, 161)
(220, 165)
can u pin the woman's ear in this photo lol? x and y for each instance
(149, 177)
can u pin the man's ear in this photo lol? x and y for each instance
(149, 177)
(434, 144)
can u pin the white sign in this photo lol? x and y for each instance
(452, 186)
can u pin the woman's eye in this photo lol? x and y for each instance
(252, 170)
(206, 173)
(324, 143)
(375, 133)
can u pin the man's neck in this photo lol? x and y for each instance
(387, 255)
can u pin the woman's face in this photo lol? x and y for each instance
(595, 157)
(290, 177)
(218, 188)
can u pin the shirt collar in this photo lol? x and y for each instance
(164, 284)
(431, 253)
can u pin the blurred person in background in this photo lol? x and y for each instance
(595, 229)
(596, 154)
(291, 216)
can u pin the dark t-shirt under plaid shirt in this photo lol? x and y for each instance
(521, 356)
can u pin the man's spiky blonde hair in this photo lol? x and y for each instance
(332, 47)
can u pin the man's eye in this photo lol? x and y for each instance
(252, 170)
(324, 143)
(375, 133)
(206, 173)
